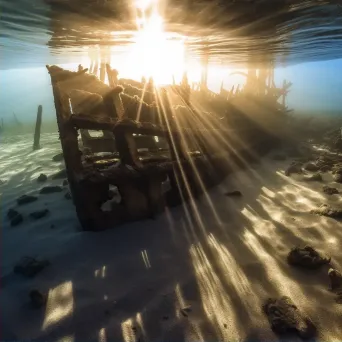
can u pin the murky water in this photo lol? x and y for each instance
(60, 31)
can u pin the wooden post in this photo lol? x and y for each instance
(284, 94)
(36, 145)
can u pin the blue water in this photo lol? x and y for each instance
(305, 42)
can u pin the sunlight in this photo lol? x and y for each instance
(102, 335)
(153, 54)
(127, 332)
(283, 283)
(216, 302)
(145, 258)
(60, 304)
(69, 338)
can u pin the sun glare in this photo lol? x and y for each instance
(154, 53)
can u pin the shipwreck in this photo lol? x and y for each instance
(151, 143)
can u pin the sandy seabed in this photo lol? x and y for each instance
(196, 273)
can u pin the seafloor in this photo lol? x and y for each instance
(196, 273)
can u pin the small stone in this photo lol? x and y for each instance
(337, 169)
(29, 267)
(25, 199)
(60, 174)
(330, 191)
(2, 182)
(184, 313)
(17, 220)
(311, 167)
(187, 308)
(12, 214)
(295, 167)
(165, 318)
(338, 178)
(15, 217)
(65, 182)
(68, 196)
(316, 177)
(335, 279)
(235, 193)
(38, 300)
(52, 226)
(306, 257)
(326, 210)
(107, 312)
(39, 214)
(225, 326)
(325, 168)
(42, 178)
(58, 157)
(284, 318)
(50, 189)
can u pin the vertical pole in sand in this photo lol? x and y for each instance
(36, 144)
(284, 94)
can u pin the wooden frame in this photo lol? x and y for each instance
(138, 182)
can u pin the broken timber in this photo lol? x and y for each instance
(194, 158)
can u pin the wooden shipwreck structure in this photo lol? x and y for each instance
(144, 141)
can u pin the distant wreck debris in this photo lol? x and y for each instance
(135, 136)
(36, 142)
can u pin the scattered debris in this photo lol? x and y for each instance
(235, 193)
(337, 169)
(325, 168)
(326, 210)
(38, 300)
(316, 177)
(39, 214)
(58, 157)
(50, 189)
(15, 217)
(65, 182)
(338, 178)
(17, 220)
(29, 266)
(187, 308)
(330, 191)
(336, 283)
(335, 279)
(311, 167)
(60, 174)
(285, 318)
(184, 313)
(295, 167)
(306, 257)
(42, 178)
(25, 199)
(68, 196)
